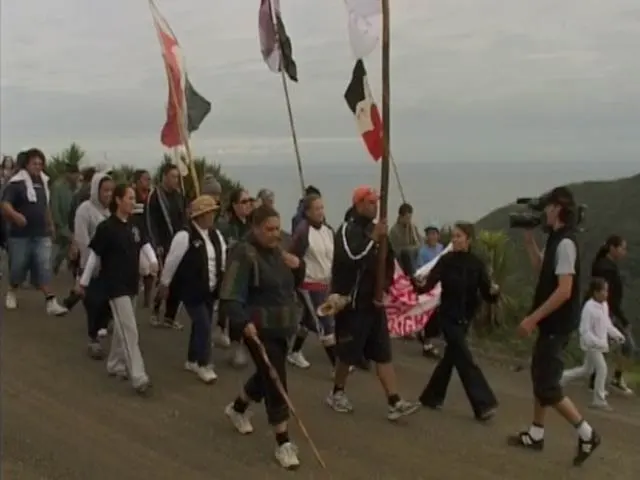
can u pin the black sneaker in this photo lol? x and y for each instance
(524, 440)
(586, 449)
(487, 415)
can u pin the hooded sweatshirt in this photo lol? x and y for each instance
(89, 214)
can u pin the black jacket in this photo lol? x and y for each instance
(565, 319)
(607, 269)
(258, 287)
(166, 215)
(464, 281)
(191, 279)
(354, 268)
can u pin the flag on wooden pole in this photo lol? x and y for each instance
(365, 21)
(186, 108)
(360, 101)
(275, 44)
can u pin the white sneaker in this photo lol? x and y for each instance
(339, 402)
(239, 358)
(206, 374)
(103, 332)
(297, 359)
(287, 456)
(54, 308)
(10, 301)
(221, 339)
(604, 406)
(240, 421)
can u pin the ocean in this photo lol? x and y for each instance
(439, 192)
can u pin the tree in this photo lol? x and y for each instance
(57, 165)
(202, 168)
(495, 249)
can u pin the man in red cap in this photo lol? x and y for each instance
(361, 327)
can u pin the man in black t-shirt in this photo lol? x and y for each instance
(556, 311)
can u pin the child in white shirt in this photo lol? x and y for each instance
(595, 329)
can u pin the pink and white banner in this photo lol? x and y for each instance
(408, 312)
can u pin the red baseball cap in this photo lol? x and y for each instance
(364, 193)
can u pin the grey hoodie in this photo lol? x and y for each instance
(89, 214)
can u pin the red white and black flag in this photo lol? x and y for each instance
(186, 108)
(360, 101)
(275, 44)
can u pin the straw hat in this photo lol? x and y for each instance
(203, 204)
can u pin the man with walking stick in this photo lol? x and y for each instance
(259, 296)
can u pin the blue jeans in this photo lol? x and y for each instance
(29, 255)
(201, 315)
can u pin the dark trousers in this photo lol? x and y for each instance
(96, 304)
(261, 386)
(201, 315)
(457, 355)
(235, 334)
(171, 304)
(432, 329)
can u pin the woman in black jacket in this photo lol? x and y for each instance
(605, 265)
(464, 279)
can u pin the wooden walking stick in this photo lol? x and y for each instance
(278, 383)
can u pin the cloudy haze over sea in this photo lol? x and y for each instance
(489, 98)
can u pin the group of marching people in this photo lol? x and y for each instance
(265, 292)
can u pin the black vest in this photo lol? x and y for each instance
(566, 318)
(192, 277)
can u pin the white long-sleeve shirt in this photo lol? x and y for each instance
(596, 327)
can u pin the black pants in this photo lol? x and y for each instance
(457, 355)
(362, 333)
(431, 329)
(261, 387)
(547, 365)
(171, 304)
(97, 307)
(235, 334)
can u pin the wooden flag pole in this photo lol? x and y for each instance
(386, 142)
(285, 87)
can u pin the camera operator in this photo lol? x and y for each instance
(555, 312)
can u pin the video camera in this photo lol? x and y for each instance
(535, 217)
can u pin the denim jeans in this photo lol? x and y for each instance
(201, 315)
(29, 255)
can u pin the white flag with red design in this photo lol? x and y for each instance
(408, 312)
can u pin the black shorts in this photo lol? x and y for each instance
(362, 334)
(547, 365)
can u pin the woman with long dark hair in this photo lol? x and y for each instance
(235, 226)
(116, 248)
(605, 266)
(464, 281)
(236, 223)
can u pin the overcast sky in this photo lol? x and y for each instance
(471, 79)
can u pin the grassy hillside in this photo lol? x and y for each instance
(613, 207)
